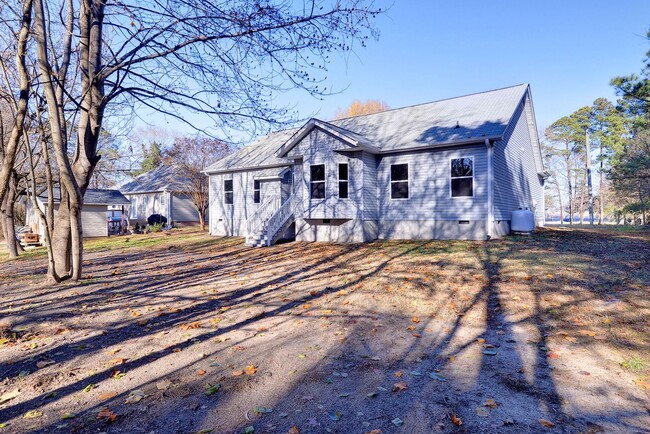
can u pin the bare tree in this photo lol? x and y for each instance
(190, 156)
(224, 59)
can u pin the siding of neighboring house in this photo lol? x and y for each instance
(94, 221)
(183, 209)
(516, 182)
(230, 220)
(145, 204)
(430, 211)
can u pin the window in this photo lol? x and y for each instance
(317, 181)
(256, 191)
(343, 180)
(399, 181)
(462, 177)
(227, 192)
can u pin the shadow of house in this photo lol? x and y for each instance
(163, 190)
(450, 169)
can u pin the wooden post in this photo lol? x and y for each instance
(122, 220)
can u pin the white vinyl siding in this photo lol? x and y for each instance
(516, 183)
(429, 186)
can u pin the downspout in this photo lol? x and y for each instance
(490, 188)
(169, 209)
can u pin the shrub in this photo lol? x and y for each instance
(156, 227)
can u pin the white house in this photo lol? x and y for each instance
(450, 169)
(160, 191)
(94, 218)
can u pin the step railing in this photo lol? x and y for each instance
(256, 222)
(279, 218)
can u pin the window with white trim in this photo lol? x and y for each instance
(343, 180)
(317, 181)
(399, 181)
(462, 177)
(227, 192)
(256, 191)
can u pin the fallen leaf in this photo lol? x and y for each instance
(117, 361)
(374, 431)
(490, 403)
(44, 363)
(237, 373)
(107, 395)
(33, 414)
(262, 410)
(399, 386)
(9, 396)
(211, 389)
(482, 411)
(107, 414)
(334, 415)
(546, 423)
(552, 355)
(437, 377)
(456, 420)
(249, 430)
(163, 384)
(587, 333)
(398, 374)
(489, 352)
(645, 383)
(89, 387)
(397, 421)
(415, 319)
(200, 372)
(135, 396)
(371, 394)
(250, 369)
(68, 415)
(293, 430)
(416, 335)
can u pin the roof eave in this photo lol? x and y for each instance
(246, 168)
(469, 141)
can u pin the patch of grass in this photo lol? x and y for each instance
(636, 364)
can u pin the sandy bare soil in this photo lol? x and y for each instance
(185, 333)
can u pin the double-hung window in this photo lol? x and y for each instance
(227, 192)
(343, 180)
(256, 191)
(399, 181)
(462, 177)
(317, 181)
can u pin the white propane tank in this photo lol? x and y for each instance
(523, 220)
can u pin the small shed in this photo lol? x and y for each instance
(163, 190)
(94, 217)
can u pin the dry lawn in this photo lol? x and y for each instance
(185, 333)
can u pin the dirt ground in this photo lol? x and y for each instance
(185, 333)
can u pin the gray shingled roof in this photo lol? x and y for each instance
(93, 197)
(162, 178)
(261, 153)
(445, 122)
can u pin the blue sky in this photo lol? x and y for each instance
(428, 50)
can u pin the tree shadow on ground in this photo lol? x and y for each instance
(331, 333)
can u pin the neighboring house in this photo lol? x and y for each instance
(160, 191)
(450, 169)
(94, 219)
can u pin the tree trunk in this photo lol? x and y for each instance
(581, 205)
(21, 106)
(568, 180)
(559, 199)
(8, 224)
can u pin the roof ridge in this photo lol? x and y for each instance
(429, 102)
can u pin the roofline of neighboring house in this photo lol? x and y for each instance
(148, 192)
(43, 200)
(245, 169)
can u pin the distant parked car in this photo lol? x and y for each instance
(156, 219)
